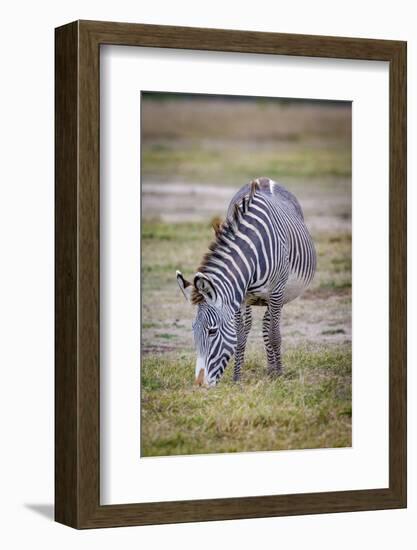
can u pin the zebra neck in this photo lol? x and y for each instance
(232, 270)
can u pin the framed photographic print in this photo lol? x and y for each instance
(230, 274)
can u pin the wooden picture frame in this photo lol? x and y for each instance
(77, 373)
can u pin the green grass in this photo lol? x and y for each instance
(202, 141)
(229, 163)
(308, 407)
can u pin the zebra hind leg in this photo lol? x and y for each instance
(243, 326)
(270, 355)
(272, 334)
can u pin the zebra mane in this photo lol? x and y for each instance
(224, 230)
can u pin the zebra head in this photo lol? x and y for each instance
(214, 329)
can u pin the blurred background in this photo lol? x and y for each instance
(196, 152)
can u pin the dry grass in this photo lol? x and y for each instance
(308, 407)
(254, 122)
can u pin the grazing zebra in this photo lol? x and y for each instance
(262, 255)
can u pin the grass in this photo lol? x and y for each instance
(230, 163)
(201, 141)
(308, 407)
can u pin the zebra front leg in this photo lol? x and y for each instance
(243, 326)
(274, 333)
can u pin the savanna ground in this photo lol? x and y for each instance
(195, 155)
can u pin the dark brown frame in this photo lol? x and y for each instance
(77, 359)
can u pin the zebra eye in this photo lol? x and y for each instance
(212, 331)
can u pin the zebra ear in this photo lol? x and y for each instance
(205, 287)
(185, 286)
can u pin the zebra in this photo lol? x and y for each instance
(262, 255)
